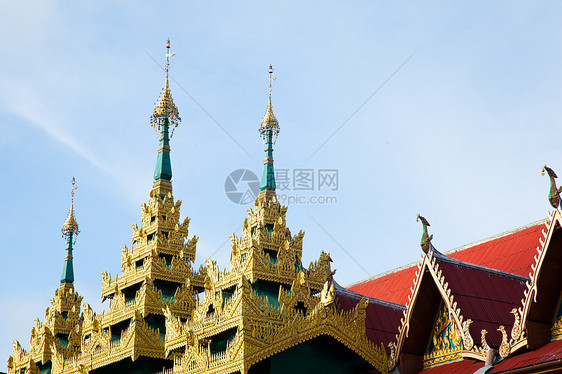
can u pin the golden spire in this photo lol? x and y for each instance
(70, 225)
(269, 122)
(269, 130)
(165, 107)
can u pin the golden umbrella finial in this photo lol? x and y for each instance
(165, 107)
(269, 122)
(70, 225)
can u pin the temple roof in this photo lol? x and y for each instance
(511, 252)
(457, 367)
(383, 317)
(549, 354)
(484, 295)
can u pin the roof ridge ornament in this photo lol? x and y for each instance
(165, 107)
(425, 242)
(554, 194)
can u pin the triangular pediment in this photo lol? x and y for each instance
(454, 312)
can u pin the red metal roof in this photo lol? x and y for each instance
(455, 367)
(393, 287)
(549, 353)
(382, 318)
(511, 252)
(485, 296)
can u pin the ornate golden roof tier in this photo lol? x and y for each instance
(60, 331)
(157, 275)
(265, 303)
(268, 251)
(161, 248)
(161, 187)
(262, 330)
(177, 271)
(239, 322)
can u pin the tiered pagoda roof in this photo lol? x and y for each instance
(267, 312)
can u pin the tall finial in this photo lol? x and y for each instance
(165, 107)
(426, 238)
(69, 232)
(70, 225)
(554, 194)
(269, 130)
(72, 192)
(168, 55)
(164, 116)
(271, 79)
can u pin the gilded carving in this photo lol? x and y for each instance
(504, 346)
(249, 312)
(266, 302)
(446, 341)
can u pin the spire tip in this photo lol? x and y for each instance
(70, 225)
(269, 130)
(165, 107)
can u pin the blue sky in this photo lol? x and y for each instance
(459, 133)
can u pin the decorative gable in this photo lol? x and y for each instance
(446, 339)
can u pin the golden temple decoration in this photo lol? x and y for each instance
(446, 342)
(505, 348)
(265, 303)
(556, 329)
(165, 107)
(241, 320)
(70, 224)
(451, 338)
(59, 334)
(208, 320)
(483, 342)
(512, 340)
(518, 337)
(269, 121)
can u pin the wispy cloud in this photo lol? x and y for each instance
(26, 105)
(34, 109)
